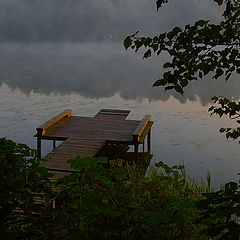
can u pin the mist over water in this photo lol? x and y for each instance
(76, 46)
(97, 70)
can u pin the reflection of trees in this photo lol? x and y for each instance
(95, 70)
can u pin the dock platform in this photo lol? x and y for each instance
(86, 136)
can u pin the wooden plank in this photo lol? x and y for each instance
(71, 148)
(52, 121)
(71, 129)
(112, 114)
(124, 112)
(140, 128)
(145, 131)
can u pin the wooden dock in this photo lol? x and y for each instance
(86, 136)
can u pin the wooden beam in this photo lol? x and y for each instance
(118, 114)
(140, 128)
(145, 131)
(49, 123)
(149, 141)
(39, 142)
(54, 144)
(114, 111)
(135, 143)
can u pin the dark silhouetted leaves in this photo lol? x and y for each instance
(160, 2)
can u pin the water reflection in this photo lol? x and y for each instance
(96, 71)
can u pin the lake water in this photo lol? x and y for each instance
(38, 81)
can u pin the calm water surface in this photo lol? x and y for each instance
(40, 80)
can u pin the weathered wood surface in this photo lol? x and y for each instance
(140, 128)
(85, 136)
(71, 148)
(145, 131)
(112, 114)
(54, 120)
(93, 128)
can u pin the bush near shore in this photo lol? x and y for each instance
(104, 200)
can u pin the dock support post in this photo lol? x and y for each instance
(54, 144)
(39, 142)
(136, 152)
(136, 143)
(149, 141)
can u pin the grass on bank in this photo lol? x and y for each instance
(101, 201)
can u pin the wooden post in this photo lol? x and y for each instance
(136, 152)
(54, 144)
(143, 145)
(135, 142)
(149, 141)
(39, 142)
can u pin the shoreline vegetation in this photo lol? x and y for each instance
(110, 199)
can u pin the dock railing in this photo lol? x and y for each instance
(139, 135)
(41, 130)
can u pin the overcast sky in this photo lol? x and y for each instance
(84, 20)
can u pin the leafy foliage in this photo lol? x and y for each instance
(160, 3)
(120, 203)
(99, 201)
(22, 180)
(196, 51)
(104, 201)
(230, 108)
(193, 51)
(220, 212)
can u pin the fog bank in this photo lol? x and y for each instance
(95, 20)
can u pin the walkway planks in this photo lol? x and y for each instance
(85, 136)
(71, 148)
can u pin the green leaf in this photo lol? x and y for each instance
(160, 82)
(169, 88)
(184, 83)
(201, 23)
(179, 89)
(219, 72)
(147, 54)
(127, 42)
(167, 65)
(157, 83)
(155, 39)
(211, 109)
(231, 187)
(221, 130)
(160, 2)
(176, 30)
(214, 98)
(154, 47)
(228, 76)
(219, 2)
(228, 135)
